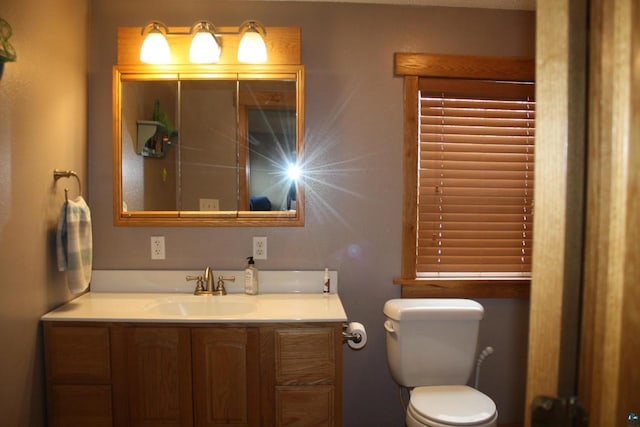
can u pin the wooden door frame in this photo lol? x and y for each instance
(610, 344)
(559, 198)
(590, 281)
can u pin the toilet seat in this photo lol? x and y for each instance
(445, 406)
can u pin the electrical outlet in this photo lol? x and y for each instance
(157, 247)
(259, 248)
(209, 204)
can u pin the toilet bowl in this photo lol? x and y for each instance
(449, 406)
(431, 345)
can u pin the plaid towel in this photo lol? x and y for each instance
(74, 245)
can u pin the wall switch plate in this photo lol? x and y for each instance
(259, 248)
(157, 247)
(209, 204)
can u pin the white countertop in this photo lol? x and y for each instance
(182, 307)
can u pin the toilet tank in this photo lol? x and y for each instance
(431, 341)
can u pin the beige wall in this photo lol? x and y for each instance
(354, 143)
(43, 124)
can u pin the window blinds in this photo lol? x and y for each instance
(475, 184)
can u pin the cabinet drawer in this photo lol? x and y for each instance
(305, 406)
(77, 354)
(80, 405)
(305, 356)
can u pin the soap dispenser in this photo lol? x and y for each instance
(251, 277)
(326, 287)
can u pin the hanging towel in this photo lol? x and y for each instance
(74, 244)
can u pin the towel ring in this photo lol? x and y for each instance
(57, 174)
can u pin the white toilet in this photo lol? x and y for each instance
(431, 346)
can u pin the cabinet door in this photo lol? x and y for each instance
(226, 376)
(158, 367)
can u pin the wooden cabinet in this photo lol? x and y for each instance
(78, 376)
(306, 386)
(226, 375)
(134, 375)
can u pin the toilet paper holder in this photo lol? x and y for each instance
(354, 337)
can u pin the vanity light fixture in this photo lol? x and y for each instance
(206, 44)
(155, 48)
(252, 48)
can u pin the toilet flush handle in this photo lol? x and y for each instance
(388, 325)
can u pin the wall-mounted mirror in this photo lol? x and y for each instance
(208, 147)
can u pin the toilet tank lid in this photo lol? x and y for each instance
(433, 308)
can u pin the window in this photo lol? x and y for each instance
(469, 157)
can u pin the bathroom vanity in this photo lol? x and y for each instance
(173, 359)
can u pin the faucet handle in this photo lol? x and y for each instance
(198, 279)
(220, 288)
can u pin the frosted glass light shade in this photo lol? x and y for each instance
(204, 49)
(155, 49)
(252, 49)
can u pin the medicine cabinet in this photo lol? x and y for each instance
(209, 145)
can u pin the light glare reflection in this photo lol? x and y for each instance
(293, 172)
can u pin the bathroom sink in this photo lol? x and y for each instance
(204, 305)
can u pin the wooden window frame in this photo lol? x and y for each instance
(412, 66)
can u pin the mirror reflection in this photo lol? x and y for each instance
(149, 162)
(208, 147)
(267, 119)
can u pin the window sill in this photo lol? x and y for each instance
(464, 288)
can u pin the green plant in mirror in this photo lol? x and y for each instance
(7, 52)
(157, 136)
(162, 117)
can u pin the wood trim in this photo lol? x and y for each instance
(337, 382)
(425, 288)
(559, 201)
(464, 66)
(268, 375)
(609, 377)
(410, 178)
(116, 145)
(119, 377)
